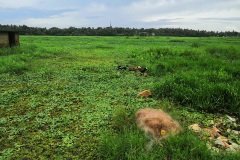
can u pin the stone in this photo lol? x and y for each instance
(195, 128)
(231, 119)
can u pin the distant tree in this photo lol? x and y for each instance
(110, 31)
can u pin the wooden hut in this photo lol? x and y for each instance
(9, 38)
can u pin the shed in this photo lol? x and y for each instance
(9, 38)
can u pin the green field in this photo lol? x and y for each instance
(62, 97)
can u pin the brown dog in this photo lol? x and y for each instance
(156, 124)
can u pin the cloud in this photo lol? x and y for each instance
(83, 16)
(195, 14)
(218, 15)
(18, 3)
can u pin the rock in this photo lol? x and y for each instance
(222, 141)
(236, 132)
(231, 149)
(145, 94)
(222, 138)
(218, 142)
(229, 130)
(231, 119)
(235, 146)
(195, 128)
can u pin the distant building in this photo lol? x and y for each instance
(9, 38)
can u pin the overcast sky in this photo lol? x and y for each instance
(216, 15)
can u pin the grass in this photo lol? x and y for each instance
(62, 97)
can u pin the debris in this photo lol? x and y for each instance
(215, 132)
(222, 141)
(231, 119)
(233, 147)
(236, 132)
(142, 70)
(145, 94)
(133, 68)
(216, 141)
(122, 67)
(138, 69)
(195, 128)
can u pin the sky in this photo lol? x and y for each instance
(210, 15)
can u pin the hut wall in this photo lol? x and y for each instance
(17, 39)
(4, 42)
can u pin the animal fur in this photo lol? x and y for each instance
(156, 124)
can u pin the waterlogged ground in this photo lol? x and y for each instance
(60, 95)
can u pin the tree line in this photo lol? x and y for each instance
(114, 31)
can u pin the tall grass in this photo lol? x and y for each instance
(205, 79)
(130, 143)
(197, 91)
(126, 141)
(17, 60)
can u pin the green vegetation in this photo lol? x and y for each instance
(116, 31)
(62, 97)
